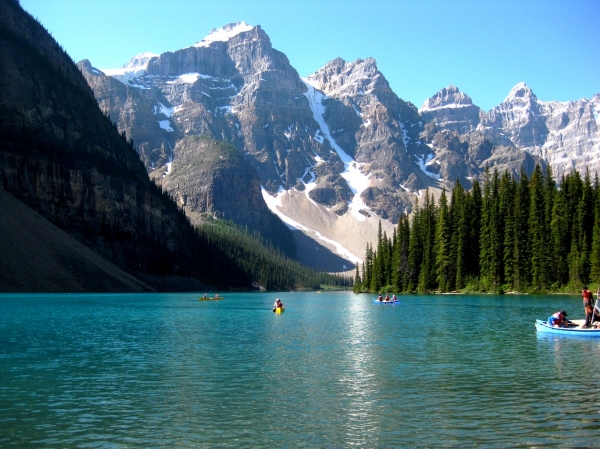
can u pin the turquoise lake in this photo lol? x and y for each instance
(334, 371)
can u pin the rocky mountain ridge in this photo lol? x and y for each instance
(562, 134)
(339, 150)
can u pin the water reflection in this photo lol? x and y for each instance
(359, 376)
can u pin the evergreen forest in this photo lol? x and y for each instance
(507, 233)
(241, 258)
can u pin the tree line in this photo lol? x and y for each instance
(245, 258)
(507, 233)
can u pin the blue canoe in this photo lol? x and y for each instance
(376, 301)
(543, 327)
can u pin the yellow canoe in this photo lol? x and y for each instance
(279, 310)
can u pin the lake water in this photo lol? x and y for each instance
(334, 371)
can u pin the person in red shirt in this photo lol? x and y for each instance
(588, 306)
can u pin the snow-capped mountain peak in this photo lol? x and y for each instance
(134, 68)
(140, 61)
(224, 33)
(448, 97)
(345, 78)
(521, 90)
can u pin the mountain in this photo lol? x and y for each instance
(562, 134)
(90, 218)
(565, 134)
(335, 152)
(233, 86)
(464, 143)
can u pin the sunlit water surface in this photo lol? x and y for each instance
(334, 371)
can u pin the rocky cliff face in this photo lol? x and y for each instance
(563, 134)
(521, 130)
(452, 110)
(463, 141)
(378, 130)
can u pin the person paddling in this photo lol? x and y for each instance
(278, 305)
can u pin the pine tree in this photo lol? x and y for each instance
(521, 278)
(357, 282)
(428, 228)
(490, 236)
(368, 267)
(507, 216)
(415, 250)
(444, 275)
(558, 237)
(538, 244)
(473, 208)
(459, 219)
(399, 265)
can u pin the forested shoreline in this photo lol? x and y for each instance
(245, 258)
(507, 233)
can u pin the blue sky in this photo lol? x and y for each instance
(484, 47)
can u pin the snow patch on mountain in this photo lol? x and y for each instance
(274, 203)
(166, 125)
(223, 34)
(162, 109)
(357, 181)
(424, 162)
(134, 68)
(187, 78)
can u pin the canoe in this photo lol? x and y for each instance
(220, 298)
(376, 301)
(543, 327)
(279, 310)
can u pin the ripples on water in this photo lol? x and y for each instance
(335, 370)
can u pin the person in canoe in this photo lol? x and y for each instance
(278, 305)
(559, 319)
(387, 298)
(380, 298)
(394, 299)
(588, 306)
(592, 313)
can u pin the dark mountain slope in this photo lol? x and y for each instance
(38, 256)
(62, 157)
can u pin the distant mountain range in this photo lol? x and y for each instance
(332, 154)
